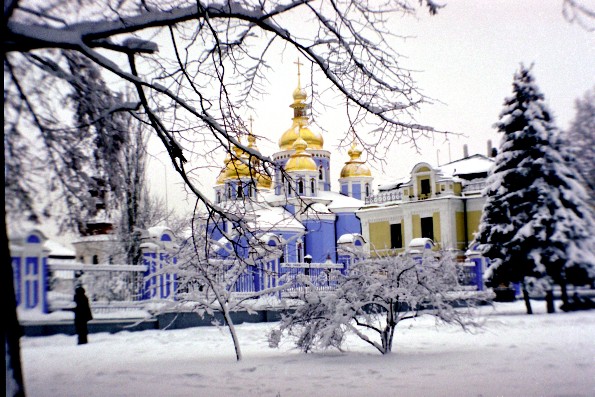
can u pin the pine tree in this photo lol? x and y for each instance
(536, 224)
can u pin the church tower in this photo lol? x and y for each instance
(315, 145)
(356, 178)
(242, 175)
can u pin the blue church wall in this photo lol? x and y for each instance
(215, 230)
(345, 189)
(356, 190)
(347, 223)
(320, 240)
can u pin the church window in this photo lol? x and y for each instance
(229, 191)
(95, 260)
(425, 186)
(320, 173)
(367, 189)
(312, 186)
(427, 227)
(240, 193)
(396, 237)
(218, 197)
(301, 186)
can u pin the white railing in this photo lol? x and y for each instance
(384, 197)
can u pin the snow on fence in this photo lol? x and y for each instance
(113, 285)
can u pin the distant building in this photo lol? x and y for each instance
(293, 207)
(443, 203)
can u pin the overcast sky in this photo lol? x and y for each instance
(465, 57)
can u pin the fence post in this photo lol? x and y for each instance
(158, 251)
(29, 265)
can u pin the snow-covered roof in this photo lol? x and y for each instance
(396, 183)
(349, 238)
(421, 242)
(274, 218)
(157, 231)
(57, 249)
(340, 201)
(475, 164)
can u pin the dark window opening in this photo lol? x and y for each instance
(301, 186)
(427, 227)
(425, 186)
(396, 237)
(320, 173)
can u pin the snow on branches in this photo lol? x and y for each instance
(371, 300)
(536, 222)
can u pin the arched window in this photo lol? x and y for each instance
(300, 253)
(300, 186)
(229, 191)
(240, 191)
(312, 186)
(367, 189)
(218, 197)
(320, 173)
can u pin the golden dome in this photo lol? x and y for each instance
(238, 167)
(355, 167)
(221, 177)
(313, 139)
(300, 160)
(299, 95)
(300, 120)
(263, 181)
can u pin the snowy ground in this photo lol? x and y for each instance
(513, 355)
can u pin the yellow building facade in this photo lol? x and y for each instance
(443, 203)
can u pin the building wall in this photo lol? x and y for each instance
(320, 240)
(379, 235)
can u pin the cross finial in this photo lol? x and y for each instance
(298, 63)
(250, 119)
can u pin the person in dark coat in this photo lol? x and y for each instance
(82, 315)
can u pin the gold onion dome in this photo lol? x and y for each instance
(263, 180)
(221, 177)
(238, 167)
(300, 123)
(300, 160)
(355, 167)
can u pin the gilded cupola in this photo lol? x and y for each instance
(300, 160)
(299, 127)
(355, 167)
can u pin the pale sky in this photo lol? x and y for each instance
(465, 57)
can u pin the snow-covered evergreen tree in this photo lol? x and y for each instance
(580, 140)
(373, 298)
(536, 222)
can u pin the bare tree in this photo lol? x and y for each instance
(211, 61)
(576, 11)
(374, 297)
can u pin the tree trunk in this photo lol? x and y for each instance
(564, 290)
(232, 331)
(526, 298)
(549, 299)
(10, 326)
